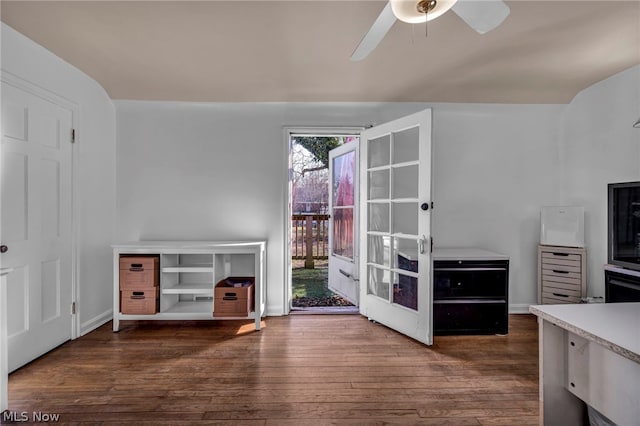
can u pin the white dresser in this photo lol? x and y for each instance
(562, 274)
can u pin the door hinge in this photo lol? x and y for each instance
(431, 248)
(73, 308)
(73, 135)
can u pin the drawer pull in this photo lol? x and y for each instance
(138, 295)
(136, 269)
(560, 295)
(557, 271)
(561, 254)
(230, 297)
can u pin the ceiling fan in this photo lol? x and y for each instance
(481, 15)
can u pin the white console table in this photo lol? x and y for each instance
(202, 264)
(589, 353)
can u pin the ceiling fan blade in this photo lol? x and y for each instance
(482, 15)
(376, 33)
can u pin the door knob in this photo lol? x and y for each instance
(4, 249)
(424, 206)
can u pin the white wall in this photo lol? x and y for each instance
(216, 171)
(95, 126)
(495, 166)
(600, 147)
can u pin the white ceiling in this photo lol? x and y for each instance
(545, 52)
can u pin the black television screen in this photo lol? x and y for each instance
(624, 224)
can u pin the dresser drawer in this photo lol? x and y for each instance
(554, 296)
(557, 274)
(558, 256)
(139, 273)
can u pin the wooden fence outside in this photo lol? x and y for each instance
(310, 237)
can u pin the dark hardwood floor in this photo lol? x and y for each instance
(299, 370)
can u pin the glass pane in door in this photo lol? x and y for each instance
(405, 218)
(405, 182)
(378, 250)
(343, 198)
(379, 185)
(343, 232)
(343, 179)
(379, 217)
(405, 291)
(378, 283)
(406, 145)
(379, 151)
(405, 258)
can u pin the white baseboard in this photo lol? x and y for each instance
(274, 311)
(95, 322)
(520, 308)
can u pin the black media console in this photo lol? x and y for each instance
(470, 296)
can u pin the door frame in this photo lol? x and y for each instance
(288, 132)
(27, 86)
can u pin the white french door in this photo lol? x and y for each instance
(395, 225)
(343, 221)
(36, 222)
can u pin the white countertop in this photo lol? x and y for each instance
(465, 253)
(185, 244)
(615, 326)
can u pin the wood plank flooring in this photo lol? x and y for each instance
(299, 370)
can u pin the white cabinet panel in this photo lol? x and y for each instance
(603, 379)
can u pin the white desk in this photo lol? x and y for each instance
(4, 367)
(589, 353)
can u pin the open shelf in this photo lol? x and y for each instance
(201, 306)
(188, 269)
(204, 289)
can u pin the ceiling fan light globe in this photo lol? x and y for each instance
(407, 11)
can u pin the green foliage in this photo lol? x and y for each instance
(310, 282)
(319, 146)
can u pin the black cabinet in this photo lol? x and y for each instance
(470, 296)
(621, 285)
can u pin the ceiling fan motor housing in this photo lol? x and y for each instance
(419, 11)
(426, 6)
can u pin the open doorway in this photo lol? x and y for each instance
(311, 226)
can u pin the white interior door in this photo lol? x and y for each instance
(36, 223)
(4, 366)
(343, 221)
(395, 230)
